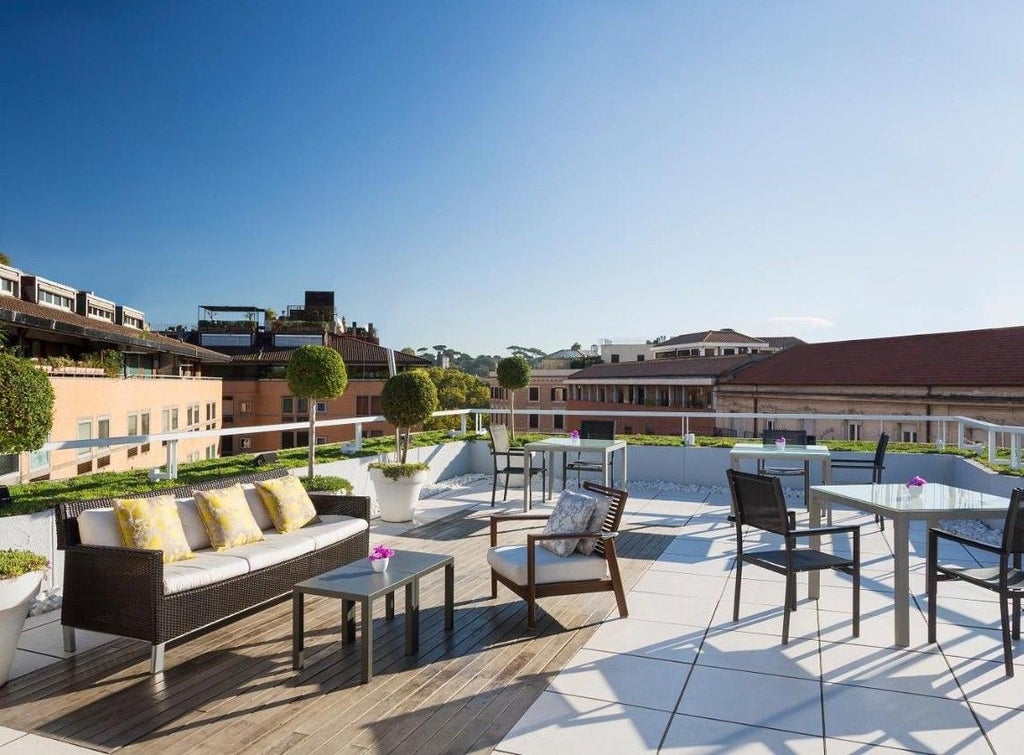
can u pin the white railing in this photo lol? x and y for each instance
(1010, 436)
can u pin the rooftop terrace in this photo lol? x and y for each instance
(676, 676)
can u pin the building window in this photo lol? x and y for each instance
(321, 407)
(287, 405)
(909, 436)
(534, 421)
(7, 286)
(174, 418)
(639, 357)
(245, 407)
(534, 394)
(211, 452)
(302, 406)
(165, 420)
(193, 414)
(84, 433)
(38, 459)
(615, 358)
(558, 394)
(211, 411)
(144, 430)
(8, 463)
(559, 421)
(367, 406)
(103, 431)
(245, 442)
(853, 431)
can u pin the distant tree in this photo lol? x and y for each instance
(315, 373)
(409, 350)
(529, 353)
(4, 259)
(26, 405)
(577, 346)
(513, 374)
(270, 314)
(456, 390)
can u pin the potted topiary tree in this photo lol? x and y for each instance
(513, 374)
(316, 373)
(26, 416)
(408, 400)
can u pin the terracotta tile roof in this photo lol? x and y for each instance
(990, 357)
(21, 313)
(711, 367)
(709, 336)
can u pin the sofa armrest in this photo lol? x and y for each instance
(113, 590)
(357, 506)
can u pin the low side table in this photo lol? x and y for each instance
(358, 583)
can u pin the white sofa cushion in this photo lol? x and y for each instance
(195, 531)
(99, 527)
(275, 548)
(256, 506)
(206, 568)
(510, 562)
(331, 529)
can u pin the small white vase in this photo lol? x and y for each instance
(780, 446)
(915, 491)
(379, 564)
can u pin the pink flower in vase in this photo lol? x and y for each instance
(574, 435)
(380, 552)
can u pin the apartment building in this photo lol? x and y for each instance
(257, 351)
(111, 377)
(975, 373)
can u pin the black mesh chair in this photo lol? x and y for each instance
(760, 504)
(1006, 579)
(875, 466)
(503, 453)
(589, 430)
(794, 437)
(5, 496)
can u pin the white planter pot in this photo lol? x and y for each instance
(396, 499)
(16, 596)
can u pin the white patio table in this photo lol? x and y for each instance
(551, 446)
(806, 454)
(893, 501)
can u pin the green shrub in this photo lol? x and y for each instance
(15, 563)
(326, 484)
(398, 471)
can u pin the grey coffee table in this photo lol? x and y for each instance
(359, 583)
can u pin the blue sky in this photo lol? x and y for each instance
(482, 174)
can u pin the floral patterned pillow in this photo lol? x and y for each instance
(572, 514)
(601, 507)
(153, 524)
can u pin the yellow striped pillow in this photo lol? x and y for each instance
(226, 515)
(287, 503)
(153, 524)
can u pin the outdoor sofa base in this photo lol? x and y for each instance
(120, 590)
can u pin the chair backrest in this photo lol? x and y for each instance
(1013, 528)
(5, 496)
(613, 518)
(796, 437)
(759, 501)
(883, 443)
(597, 429)
(499, 439)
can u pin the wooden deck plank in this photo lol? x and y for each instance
(233, 688)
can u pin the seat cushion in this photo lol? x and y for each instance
(331, 528)
(275, 548)
(227, 518)
(571, 514)
(510, 562)
(287, 503)
(153, 524)
(205, 569)
(259, 511)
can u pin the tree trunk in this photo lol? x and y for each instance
(512, 414)
(312, 434)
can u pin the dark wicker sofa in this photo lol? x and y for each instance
(120, 591)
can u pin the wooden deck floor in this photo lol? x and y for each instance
(233, 689)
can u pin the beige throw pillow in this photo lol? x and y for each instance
(572, 514)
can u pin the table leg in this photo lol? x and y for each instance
(449, 597)
(625, 475)
(527, 479)
(814, 515)
(367, 608)
(348, 621)
(901, 566)
(389, 606)
(412, 617)
(826, 476)
(807, 483)
(551, 474)
(297, 629)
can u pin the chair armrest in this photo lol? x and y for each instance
(561, 535)
(851, 463)
(111, 589)
(839, 528)
(497, 518)
(963, 540)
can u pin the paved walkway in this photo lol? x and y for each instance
(679, 676)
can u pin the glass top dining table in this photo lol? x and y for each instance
(566, 445)
(894, 501)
